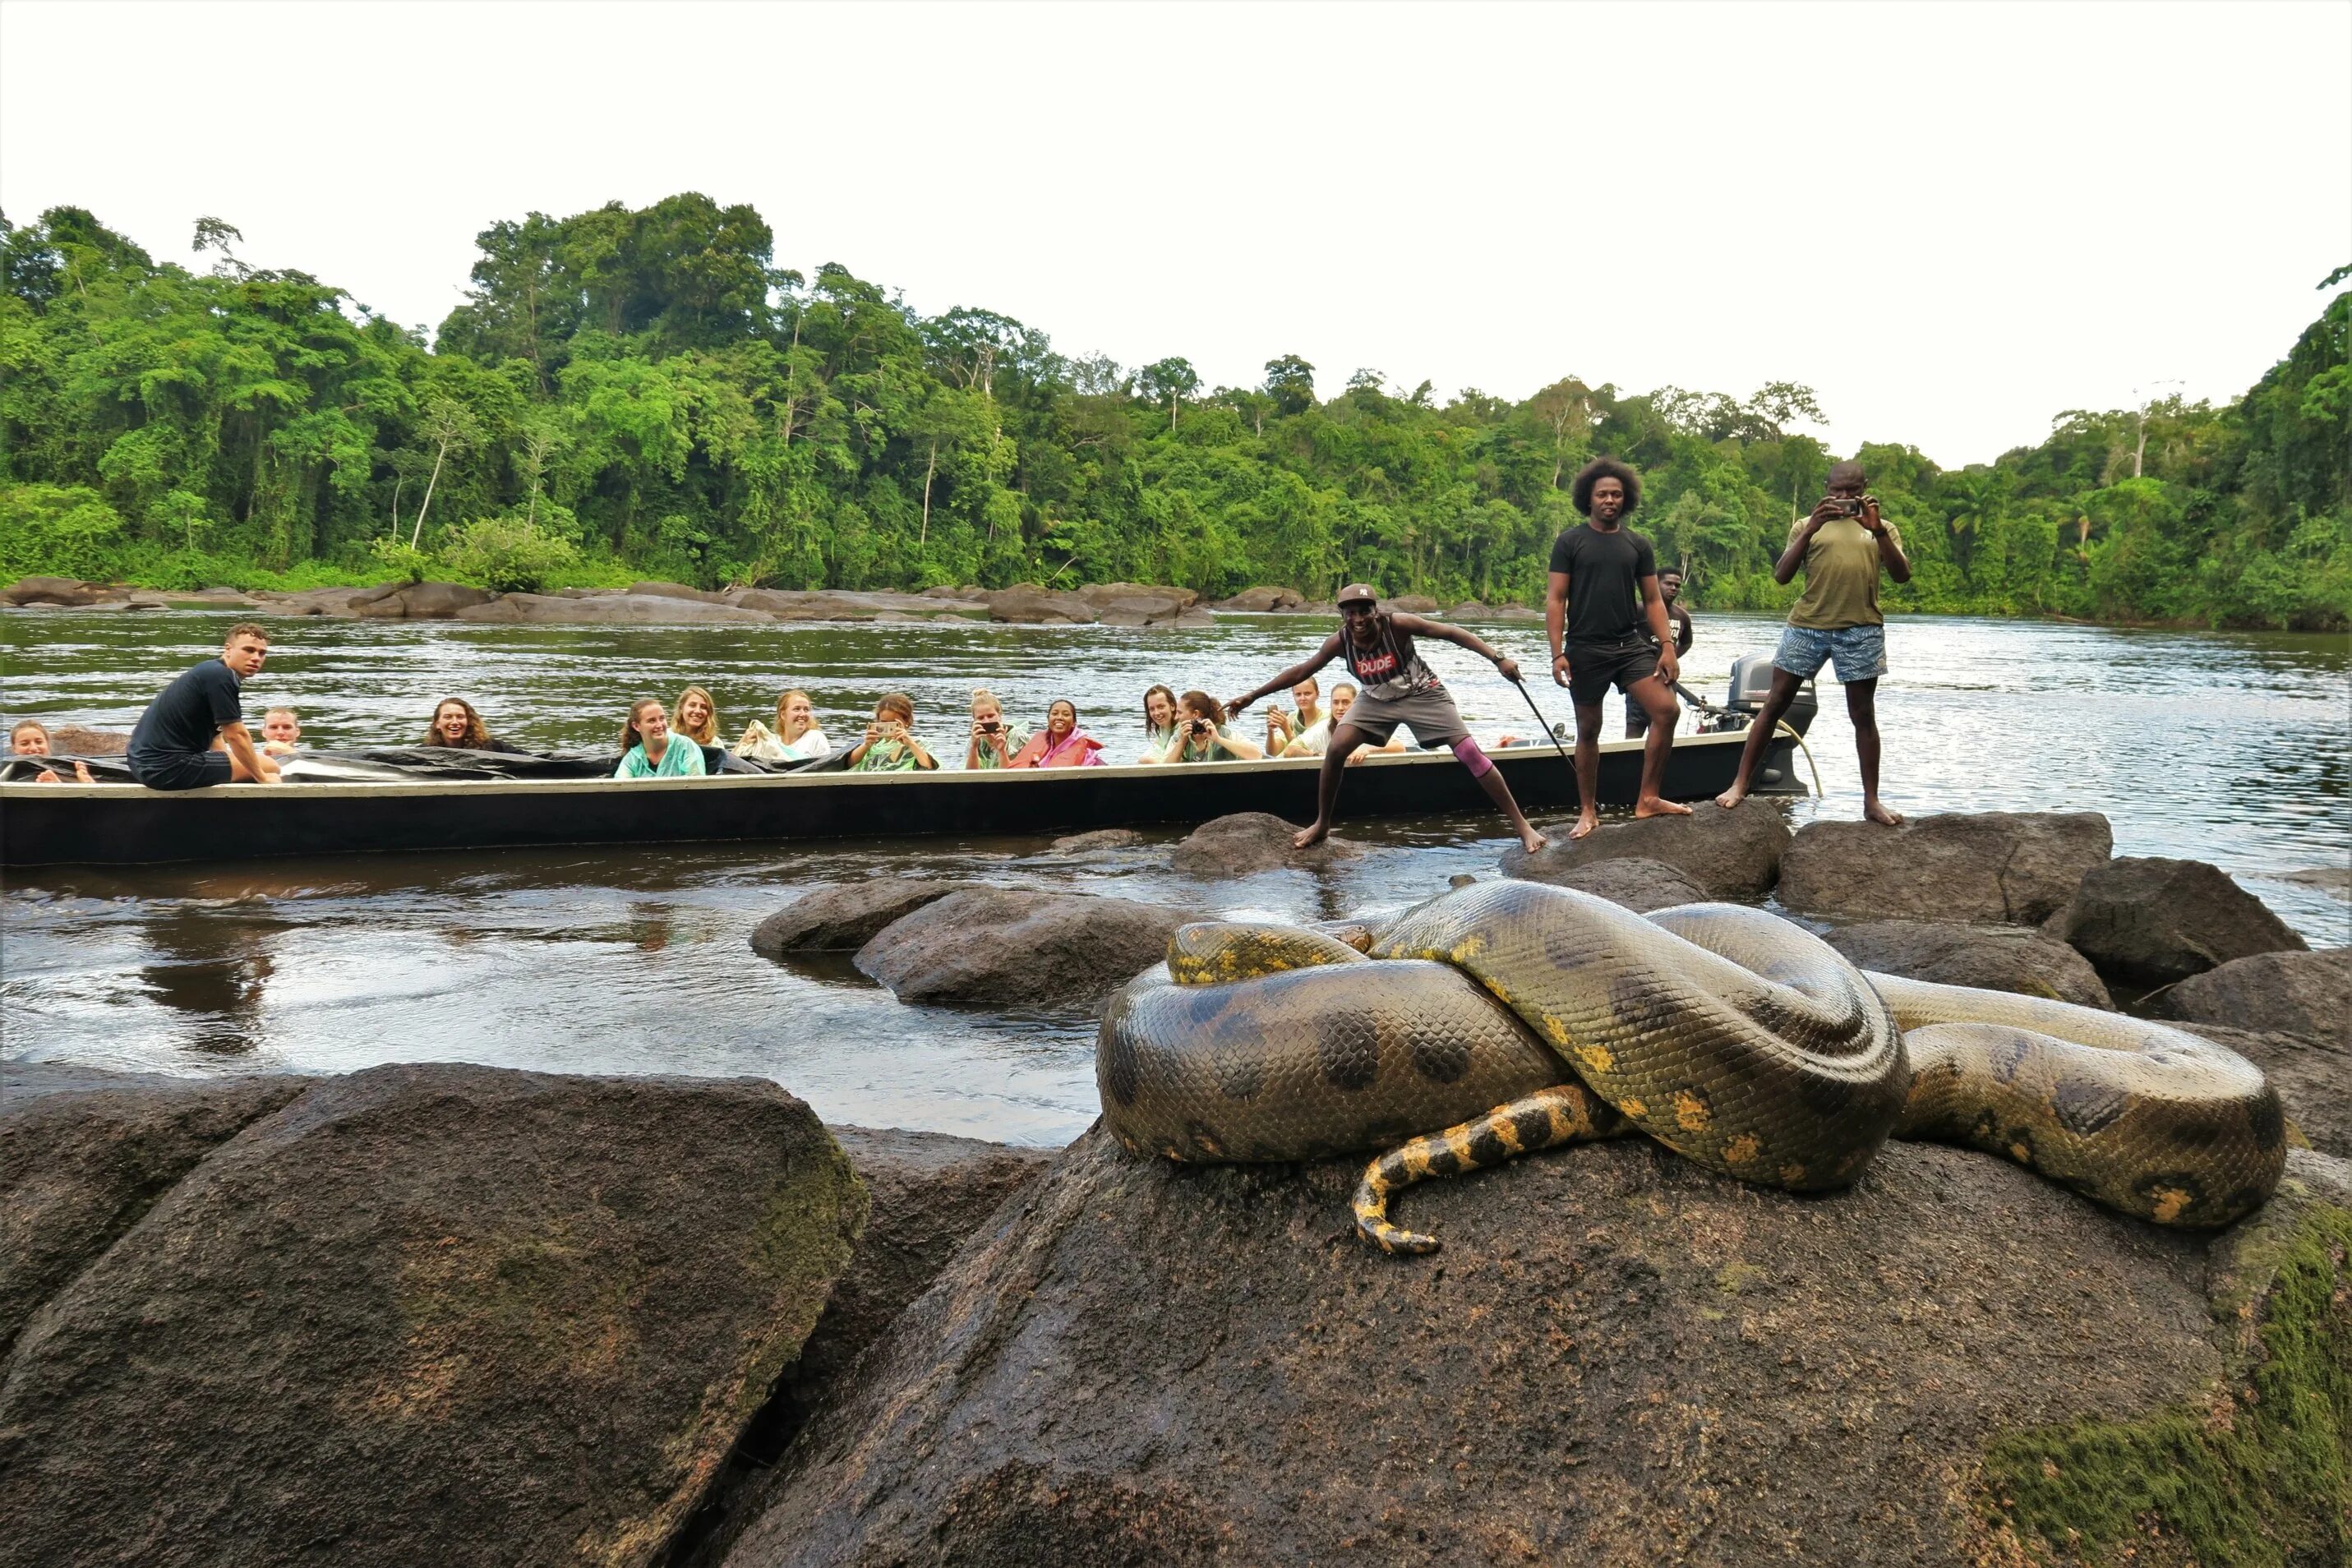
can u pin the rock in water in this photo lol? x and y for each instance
(67, 590)
(1618, 1357)
(1979, 868)
(844, 916)
(1101, 838)
(1262, 600)
(1249, 841)
(1638, 884)
(430, 1314)
(2150, 920)
(609, 609)
(1732, 854)
(1011, 947)
(2296, 993)
(416, 600)
(1993, 958)
(1026, 604)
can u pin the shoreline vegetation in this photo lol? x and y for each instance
(641, 395)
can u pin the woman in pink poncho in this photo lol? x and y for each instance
(1061, 743)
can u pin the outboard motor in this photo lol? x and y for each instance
(1751, 682)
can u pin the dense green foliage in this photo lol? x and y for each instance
(644, 393)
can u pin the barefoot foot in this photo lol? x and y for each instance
(1732, 797)
(1654, 807)
(1584, 825)
(1873, 811)
(1309, 838)
(1531, 840)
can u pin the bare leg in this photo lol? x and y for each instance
(1665, 715)
(1785, 688)
(1862, 707)
(1491, 780)
(1344, 742)
(1588, 770)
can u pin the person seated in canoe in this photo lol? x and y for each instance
(795, 738)
(1396, 688)
(171, 747)
(993, 742)
(695, 717)
(459, 728)
(1315, 739)
(1061, 743)
(1202, 735)
(890, 745)
(1282, 728)
(1158, 722)
(648, 750)
(281, 733)
(30, 740)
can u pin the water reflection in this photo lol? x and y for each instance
(214, 967)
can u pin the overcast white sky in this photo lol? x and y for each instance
(1953, 221)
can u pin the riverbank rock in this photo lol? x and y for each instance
(2297, 992)
(1262, 600)
(1414, 604)
(1987, 867)
(416, 600)
(609, 609)
(1026, 604)
(1012, 947)
(2150, 920)
(1732, 854)
(2312, 1075)
(332, 602)
(1139, 603)
(1468, 609)
(1618, 1357)
(1992, 957)
(839, 604)
(80, 1166)
(430, 1314)
(68, 591)
(1638, 884)
(1518, 612)
(1252, 841)
(844, 916)
(73, 741)
(680, 591)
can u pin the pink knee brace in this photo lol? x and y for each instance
(1466, 752)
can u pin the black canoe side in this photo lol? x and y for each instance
(118, 825)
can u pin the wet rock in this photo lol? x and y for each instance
(680, 591)
(2299, 992)
(431, 1314)
(2312, 1073)
(73, 741)
(1618, 1357)
(945, 591)
(1414, 604)
(1516, 612)
(1977, 868)
(1026, 604)
(830, 605)
(80, 1165)
(1638, 884)
(1137, 603)
(1261, 600)
(1990, 957)
(2150, 921)
(844, 916)
(68, 591)
(333, 602)
(1732, 854)
(1467, 609)
(1100, 838)
(1012, 947)
(1250, 841)
(609, 609)
(417, 601)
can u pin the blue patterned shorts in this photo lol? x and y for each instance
(1860, 652)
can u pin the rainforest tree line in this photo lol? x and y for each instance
(630, 394)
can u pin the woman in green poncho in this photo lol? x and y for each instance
(648, 750)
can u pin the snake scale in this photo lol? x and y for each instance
(1506, 1018)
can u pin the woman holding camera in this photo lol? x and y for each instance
(890, 745)
(1202, 735)
(993, 742)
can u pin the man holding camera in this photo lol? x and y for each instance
(1841, 548)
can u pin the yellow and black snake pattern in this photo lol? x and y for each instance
(1507, 1018)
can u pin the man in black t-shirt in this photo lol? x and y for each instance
(1608, 627)
(171, 747)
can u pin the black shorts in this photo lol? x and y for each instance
(182, 770)
(1593, 669)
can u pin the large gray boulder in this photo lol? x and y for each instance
(609, 609)
(332, 601)
(2296, 993)
(1617, 1358)
(68, 591)
(1262, 600)
(1011, 947)
(1137, 603)
(430, 1314)
(1026, 604)
(416, 600)
(1252, 841)
(1979, 868)
(78, 1167)
(840, 605)
(844, 916)
(1638, 884)
(1991, 958)
(1732, 854)
(2148, 920)
(678, 591)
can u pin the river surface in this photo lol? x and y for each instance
(2235, 749)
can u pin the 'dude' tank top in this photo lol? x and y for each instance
(1392, 666)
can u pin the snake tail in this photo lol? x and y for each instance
(1564, 1113)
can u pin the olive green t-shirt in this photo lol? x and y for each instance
(1841, 569)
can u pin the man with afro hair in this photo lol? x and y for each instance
(1603, 595)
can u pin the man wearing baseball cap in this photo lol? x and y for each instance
(1395, 688)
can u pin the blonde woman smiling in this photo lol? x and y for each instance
(795, 738)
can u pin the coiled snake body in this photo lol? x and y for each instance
(1507, 1018)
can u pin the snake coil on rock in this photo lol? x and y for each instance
(1507, 1018)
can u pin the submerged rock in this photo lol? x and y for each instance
(430, 1314)
(1639, 884)
(841, 915)
(1012, 947)
(1618, 1357)
(1992, 957)
(2296, 993)
(1732, 854)
(1251, 841)
(1978, 868)
(1099, 839)
(2150, 920)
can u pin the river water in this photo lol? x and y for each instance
(2229, 748)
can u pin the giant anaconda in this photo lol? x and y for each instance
(1510, 1016)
